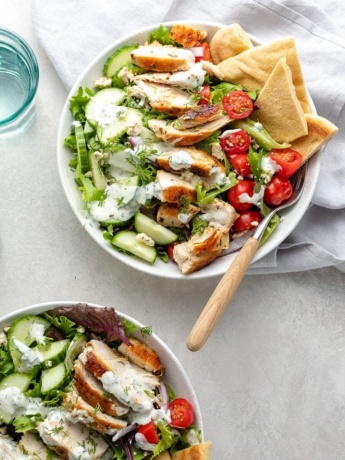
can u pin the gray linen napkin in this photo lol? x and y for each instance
(74, 32)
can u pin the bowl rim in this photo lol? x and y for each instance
(218, 266)
(158, 343)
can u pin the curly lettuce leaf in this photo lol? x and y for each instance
(6, 364)
(99, 320)
(78, 103)
(27, 422)
(161, 35)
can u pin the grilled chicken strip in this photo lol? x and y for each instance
(187, 79)
(70, 440)
(174, 215)
(173, 188)
(166, 99)
(81, 411)
(197, 116)
(181, 138)
(187, 36)
(91, 390)
(158, 58)
(143, 356)
(130, 384)
(188, 159)
(34, 447)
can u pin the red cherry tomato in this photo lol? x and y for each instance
(240, 163)
(181, 413)
(205, 95)
(238, 104)
(243, 186)
(277, 191)
(206, 53)
(150, 432)
(289, 161)
(236, 141)
(247, 220)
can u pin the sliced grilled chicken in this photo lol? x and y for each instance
(9, 449)
(189, 262)
(197, 116)
(209, 240)
(187, 79)
(181, 138)
(167, 99)
(187, 36)
(173, 188)
(91, 390)
(174, 215)
(81, 411)
(130, 384)
(220, 215)
(143, 356)
(71, 441)
(31, 445)
(162, 58)
(188, 159)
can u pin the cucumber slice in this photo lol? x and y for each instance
(20, 330)
(131, 181)
(75, 348)
(160, 235)
(98, 178)
(112, 133)
(103, 98)
(52, 353)
(125, 239)
(20, 381)
(118, 59)
(83, 160)
(53, 378)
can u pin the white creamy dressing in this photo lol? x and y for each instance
(142, 442)
(192, 437)
(255, 199)
(227, 132)
(29, 358)
(218, 177)
(15, 404)
(109, 113)
(269, 166)
(180, 160)
(156, 415)
(184, 217)
(129, 388)
(36, 333)
(190, 79)
(217, 219)
(9, 450)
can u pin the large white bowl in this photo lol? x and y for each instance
(165, 270)
(175, 375)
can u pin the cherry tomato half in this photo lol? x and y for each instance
(277, 191)
(181, 412)
(205, 95)
(235, 141)
(243, 186)
(150, 432)
(247, 220)
(289, 161)
(206, 53)
(240, 163)
(237, 104)
(170, 250)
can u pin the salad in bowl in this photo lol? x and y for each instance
(84, 382)
(170, 153)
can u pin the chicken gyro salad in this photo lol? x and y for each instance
(75, 383)
(184, 143)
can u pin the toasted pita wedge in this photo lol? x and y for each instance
(280, 111)
(196, 452)
(229, 41)
(253, 67)
(320, 131)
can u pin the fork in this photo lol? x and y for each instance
(232, 278)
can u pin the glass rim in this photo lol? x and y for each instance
(34, 73)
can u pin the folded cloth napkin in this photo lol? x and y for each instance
(73, 33)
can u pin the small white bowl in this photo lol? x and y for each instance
(175, 375)
(292, 215)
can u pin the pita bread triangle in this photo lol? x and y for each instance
(320, 131)
(252, 68)
(279, 110)
(195, 452)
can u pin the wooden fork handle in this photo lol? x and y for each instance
(221, 296)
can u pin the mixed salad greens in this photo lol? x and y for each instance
(131, 120)
(75, 383)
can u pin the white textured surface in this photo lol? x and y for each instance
(270, 380)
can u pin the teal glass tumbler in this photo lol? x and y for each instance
(19, 76)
